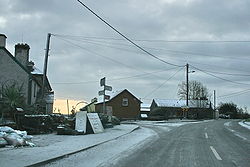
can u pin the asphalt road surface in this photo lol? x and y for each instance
(215, 143)
(210, 144)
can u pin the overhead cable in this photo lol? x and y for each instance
(114, 79)
(126, 38)
(161, 40)
(234, 94)
(151, 92)
(99, 41)
(227, 80)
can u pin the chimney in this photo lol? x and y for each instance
(22, 54)
(2, 40)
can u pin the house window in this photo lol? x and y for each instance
(34, 90)
(125, 102)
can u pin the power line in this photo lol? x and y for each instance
(234, 94)
(219, 77)
(161, 40)
(98, 42)
(90, 51)
(114, 79)
(150, 93)
(126, 38)
(231, 74)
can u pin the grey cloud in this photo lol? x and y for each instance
(31, 20)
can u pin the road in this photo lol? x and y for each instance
(214, 143)
(219, 143)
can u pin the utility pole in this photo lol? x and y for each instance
(187, 66)
(214, 100)
(45, 64)
(68, 107)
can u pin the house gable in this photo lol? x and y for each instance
(15, 60)
(129, 111)
(12, 72)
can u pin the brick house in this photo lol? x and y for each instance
(165, 109)
(18, 69)
(123, 104)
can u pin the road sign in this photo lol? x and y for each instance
(95, 122)
(101, 92)
(107, 97)
(81, 121)
(102, 81)
(108, 88)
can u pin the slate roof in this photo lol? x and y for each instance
(34, 73)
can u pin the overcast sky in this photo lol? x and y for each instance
(84, 49)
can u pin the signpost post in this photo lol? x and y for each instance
(102, 93)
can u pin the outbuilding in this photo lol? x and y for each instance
(167, 109)
(122, 104)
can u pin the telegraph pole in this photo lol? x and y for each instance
(45, 64)
(187, 66)
(214, 100)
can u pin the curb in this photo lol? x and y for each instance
(84, 149)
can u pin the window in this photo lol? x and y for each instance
(125, 102)
(34, 89)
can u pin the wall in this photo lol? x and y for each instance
(177, 112)
(11, 71)
(34, 91)
(132, 111)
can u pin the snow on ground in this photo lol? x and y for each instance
(227, 123)
(111, 152)
(228, 126)
(170, 123)
(245, 124)
(248, 123)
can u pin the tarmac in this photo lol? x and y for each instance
(68, 145)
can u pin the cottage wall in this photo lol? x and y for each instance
(11, 72)
(35, 88)
(132, 111)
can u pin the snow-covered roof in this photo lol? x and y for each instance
(181, 103)
(113, 95)
(145, 107)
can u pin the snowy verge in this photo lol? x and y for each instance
(141, 138)
(109, 153)
(245, 124)
(67, 145)
(228, 126)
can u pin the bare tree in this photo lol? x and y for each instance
(196, 91)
